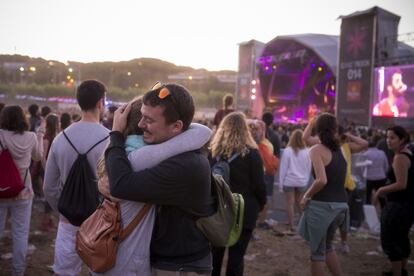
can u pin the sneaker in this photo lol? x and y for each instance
(264, 226)
(254, 237)
(290, 232)
(344, 248)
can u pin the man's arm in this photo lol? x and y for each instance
(166, 183)
(51, 181)
(150, 155)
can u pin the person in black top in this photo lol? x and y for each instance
(325, 202)
(246, 178)
(180, 185)
(398, 215)
(34, 118)
(222, 112)
(270, 134)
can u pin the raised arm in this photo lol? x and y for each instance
(149, 156)
(167, 183)
(307, 134)
(356, 144)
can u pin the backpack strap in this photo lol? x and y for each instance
(131, 226)
(97, 143)
(73, 146)
(70, 142)
(234, 156)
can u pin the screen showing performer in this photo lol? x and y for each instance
(394, 91)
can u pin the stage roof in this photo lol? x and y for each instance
(326, 47)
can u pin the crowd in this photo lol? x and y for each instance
(150, 158)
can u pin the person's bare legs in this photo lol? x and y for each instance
(317, 268)
(333, 263)
(396, 268)
(290, 200)
(344, 247)
(298, 196)
(263, 214)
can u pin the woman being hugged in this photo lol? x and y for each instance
(233, 142)
(23, 146)
(325, 202)
(397, 217)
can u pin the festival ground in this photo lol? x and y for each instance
(272, 254)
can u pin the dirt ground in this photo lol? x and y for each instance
(272, 254)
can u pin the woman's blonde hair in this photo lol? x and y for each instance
(232, 136)
(295, 141)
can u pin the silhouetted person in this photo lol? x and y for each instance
(222, 112)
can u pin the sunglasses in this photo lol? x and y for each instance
(164, 93)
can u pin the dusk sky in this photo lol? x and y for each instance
(200, 34)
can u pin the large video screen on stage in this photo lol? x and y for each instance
(394, 91)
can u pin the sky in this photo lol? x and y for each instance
(196, 33)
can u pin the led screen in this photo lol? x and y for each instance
(394, 91)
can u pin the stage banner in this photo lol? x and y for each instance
(355, 70)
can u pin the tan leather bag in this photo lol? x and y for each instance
(98, 237)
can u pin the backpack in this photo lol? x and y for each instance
(222, 167)
(99, 236)
(80, 196)
(11, 183)
(223, 228)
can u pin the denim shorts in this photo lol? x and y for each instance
(287, 189)
(325, 245)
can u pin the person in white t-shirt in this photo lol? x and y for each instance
(295, 168)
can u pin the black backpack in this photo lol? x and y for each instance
(80, 196)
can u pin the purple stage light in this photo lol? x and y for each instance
(331, 93)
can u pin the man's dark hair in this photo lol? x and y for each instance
(12, 118)
(178, 105)
(65, 120)
(267, 118)
(89, 93)
(45, 110)
(33, 109)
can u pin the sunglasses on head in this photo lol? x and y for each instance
(164, 93)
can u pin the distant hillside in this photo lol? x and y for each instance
(139, 73)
